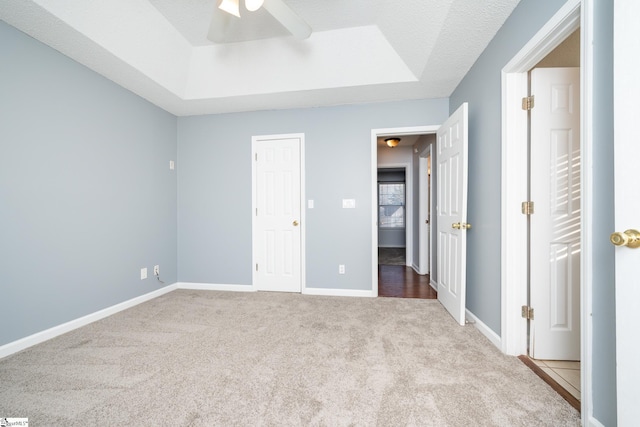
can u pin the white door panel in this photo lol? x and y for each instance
(627, 206)
(555, 223)
(277, 235)
(452, 209)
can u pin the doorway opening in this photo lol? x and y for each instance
(517, 334)
(401, 204)
(394, 200)
(554, 229)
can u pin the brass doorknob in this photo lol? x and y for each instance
(630, 238)
(461, 225)
(295, 223)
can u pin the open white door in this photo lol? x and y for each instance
(424, 228)
(451, 211)
(627, 206)
(276, 225)
(555, 223)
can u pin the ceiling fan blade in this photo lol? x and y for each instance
(218, 27)
(288, 18)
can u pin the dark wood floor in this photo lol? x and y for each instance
(403, 282)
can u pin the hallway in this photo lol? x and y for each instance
(403, 282)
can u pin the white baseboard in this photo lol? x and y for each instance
(417, 270)
(338, 292)
(592, 422)
(215, 287)
(485, 330)
(434, 285)
(39, 337)
(250, 288)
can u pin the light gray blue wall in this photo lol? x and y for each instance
(603, 310)
(86, 195)
(214, 188)
(481, 88)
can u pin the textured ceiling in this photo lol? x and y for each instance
(359, 51)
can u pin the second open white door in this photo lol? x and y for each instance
(555, 223)
(452, 139)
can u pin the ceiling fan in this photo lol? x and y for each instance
(277, 8)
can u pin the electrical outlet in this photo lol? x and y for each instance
(156, 270)
(341, 269)
(143, 273)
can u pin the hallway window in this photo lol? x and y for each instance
(391, 202)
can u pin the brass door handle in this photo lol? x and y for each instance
(461, 225)
(295, 223)
(630, 238)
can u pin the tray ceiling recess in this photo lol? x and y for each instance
(347, 52)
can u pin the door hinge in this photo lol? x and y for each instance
(527, 312)
(256, 267)
(256, 157)
(527, 102)
(527, 208)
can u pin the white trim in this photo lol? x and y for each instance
(484, 329)
(375, 133)
(592, 422)
(513, 224)
(574, 14)
(586, 266)
(215, 287)
(47, 334)
(434, 285)
(303, 210)
(341, 292)
(416, 268)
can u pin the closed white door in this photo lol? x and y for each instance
(627, 207)
(555, 223)
(276, 232)
(452, 213)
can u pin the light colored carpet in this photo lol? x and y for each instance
(203, 358)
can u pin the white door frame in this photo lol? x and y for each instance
(303, 222)
(424, 253)
(375, 133)
(574, 14)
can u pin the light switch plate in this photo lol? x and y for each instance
(310, 204)
(348, 203)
